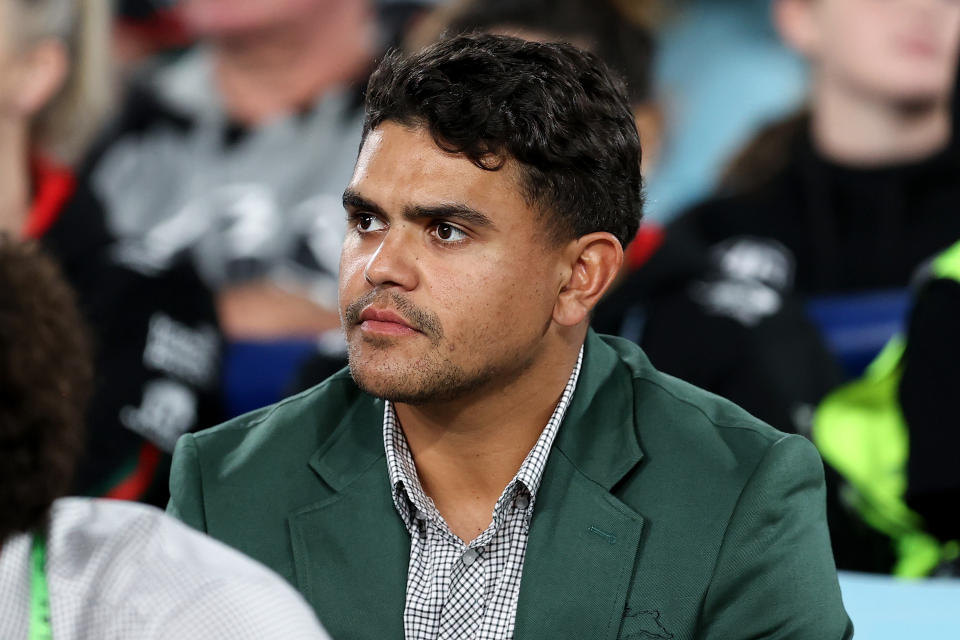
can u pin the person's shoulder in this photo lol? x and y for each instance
(684, 425)
(159, 578)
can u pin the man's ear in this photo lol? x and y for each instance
(593, 261)
(40, 74)
(797, 25)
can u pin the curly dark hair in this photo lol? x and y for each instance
(557, 110)
(45, 380)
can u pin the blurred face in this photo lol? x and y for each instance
(32, 69)
(447, 281)
(237, 17)
(903, 50)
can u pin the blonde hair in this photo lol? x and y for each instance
(66, 126)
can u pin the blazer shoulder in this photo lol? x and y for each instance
(302, 422)
(262, 463)
(686, 424)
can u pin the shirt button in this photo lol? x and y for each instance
(469, 557)
(522, 502)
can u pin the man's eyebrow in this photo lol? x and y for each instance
(353, 200)
(455, 211)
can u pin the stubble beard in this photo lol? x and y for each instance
(433, 377)
(430, 379)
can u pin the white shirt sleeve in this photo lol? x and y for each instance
(233, 610)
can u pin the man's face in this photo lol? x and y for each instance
(447, 278)
(904, 50)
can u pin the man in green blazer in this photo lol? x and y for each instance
(488, 467)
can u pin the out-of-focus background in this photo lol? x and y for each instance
(184, 160)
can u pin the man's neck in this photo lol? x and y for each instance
(270, 73)
(467, 451)
(852, 128)
(14, 178)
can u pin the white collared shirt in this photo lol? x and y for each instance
(118, 569)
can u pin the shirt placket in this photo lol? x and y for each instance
(456, 590)
(463, 611)
(465, 606)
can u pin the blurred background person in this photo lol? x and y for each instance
(87, 568)
(233, 156)
(930, 371)
(821, 222)
(721, 72)
(892, 433)
(54, 99)
(155, 339)
(236, 154)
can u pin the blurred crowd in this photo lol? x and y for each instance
(183, 163)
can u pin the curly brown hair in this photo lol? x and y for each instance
(45, 380)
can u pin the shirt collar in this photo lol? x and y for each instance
(408, 496)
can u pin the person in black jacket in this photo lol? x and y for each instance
(931, 377)
(155, 338)
(853, 195)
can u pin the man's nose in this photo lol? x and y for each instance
(394, 261)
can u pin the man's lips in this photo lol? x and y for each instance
(384, 321)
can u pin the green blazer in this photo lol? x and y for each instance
(664, 513)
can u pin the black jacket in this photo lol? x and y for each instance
(156, 354)
(722, 302)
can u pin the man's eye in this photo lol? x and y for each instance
(449, 233)
(368, 222)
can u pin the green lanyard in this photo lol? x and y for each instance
(40, 628)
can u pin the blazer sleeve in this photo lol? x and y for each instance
(775, 575)
(186, 485)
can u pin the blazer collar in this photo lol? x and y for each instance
(599, 432)
(355, 444)
(583, 540)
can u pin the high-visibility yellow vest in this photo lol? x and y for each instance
(860, 430)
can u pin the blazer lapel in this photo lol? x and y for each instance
(580, 557)
(584, 541)
(351, 549)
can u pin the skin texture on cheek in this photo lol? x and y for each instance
(490, 325)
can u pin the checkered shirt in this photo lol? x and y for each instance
(456, 590)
